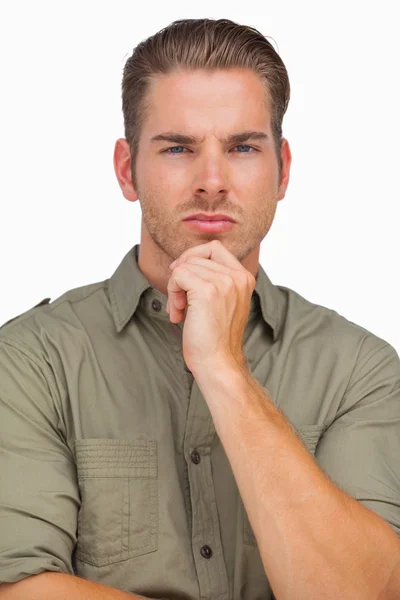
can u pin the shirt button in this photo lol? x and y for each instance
(156, 305)
(206, 551)
(195, 456)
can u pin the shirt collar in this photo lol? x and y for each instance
(128, 288)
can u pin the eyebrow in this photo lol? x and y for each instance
(238, 138)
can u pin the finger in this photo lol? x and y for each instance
(176, 311)
(187, 277)
(204, 262)
(213, 250)
(180, 300)
(176, 305)
(207, 263)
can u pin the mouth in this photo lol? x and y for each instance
(206, 226)
(210, 218)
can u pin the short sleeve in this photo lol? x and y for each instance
(39, 498)
(360, 450)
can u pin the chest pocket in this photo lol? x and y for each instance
(118, 517)
(310, 436)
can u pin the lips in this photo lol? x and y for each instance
(214, 227)
(204, 217)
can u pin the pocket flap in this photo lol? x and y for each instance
(310, 435)
(116, 458)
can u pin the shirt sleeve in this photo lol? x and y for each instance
(39, 497)
(360, 450)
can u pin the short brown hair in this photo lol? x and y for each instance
(206, 44)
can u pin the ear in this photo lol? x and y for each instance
(286, 162)
(122, 167)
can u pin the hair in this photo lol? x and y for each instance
(206, 44)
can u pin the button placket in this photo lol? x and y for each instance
(200, 432)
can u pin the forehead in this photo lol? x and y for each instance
(225, 98)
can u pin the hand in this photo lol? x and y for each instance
(211, 291)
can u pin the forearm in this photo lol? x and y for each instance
(60, 586)
(314, 540)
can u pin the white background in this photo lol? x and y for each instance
(64, 222)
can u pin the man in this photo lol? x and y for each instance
(186, 429)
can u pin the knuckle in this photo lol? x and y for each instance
(210, 291)
(228, 282)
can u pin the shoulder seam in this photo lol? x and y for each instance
(20, 348)
(100, 284)
(52, 306)
(374, 351)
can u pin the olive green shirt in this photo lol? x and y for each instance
(110, 466)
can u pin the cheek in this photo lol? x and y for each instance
(167, 174)
(254, 184)
(256, 172)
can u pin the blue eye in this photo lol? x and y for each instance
(244, 146)
(173, 148)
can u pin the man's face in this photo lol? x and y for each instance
(240, 180)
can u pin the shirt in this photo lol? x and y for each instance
(110, 465)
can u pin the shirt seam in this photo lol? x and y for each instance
(102, 286)
(350, 381)
(375, 351)
(51, 307)
(24, 350)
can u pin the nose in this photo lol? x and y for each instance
(211, 176)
